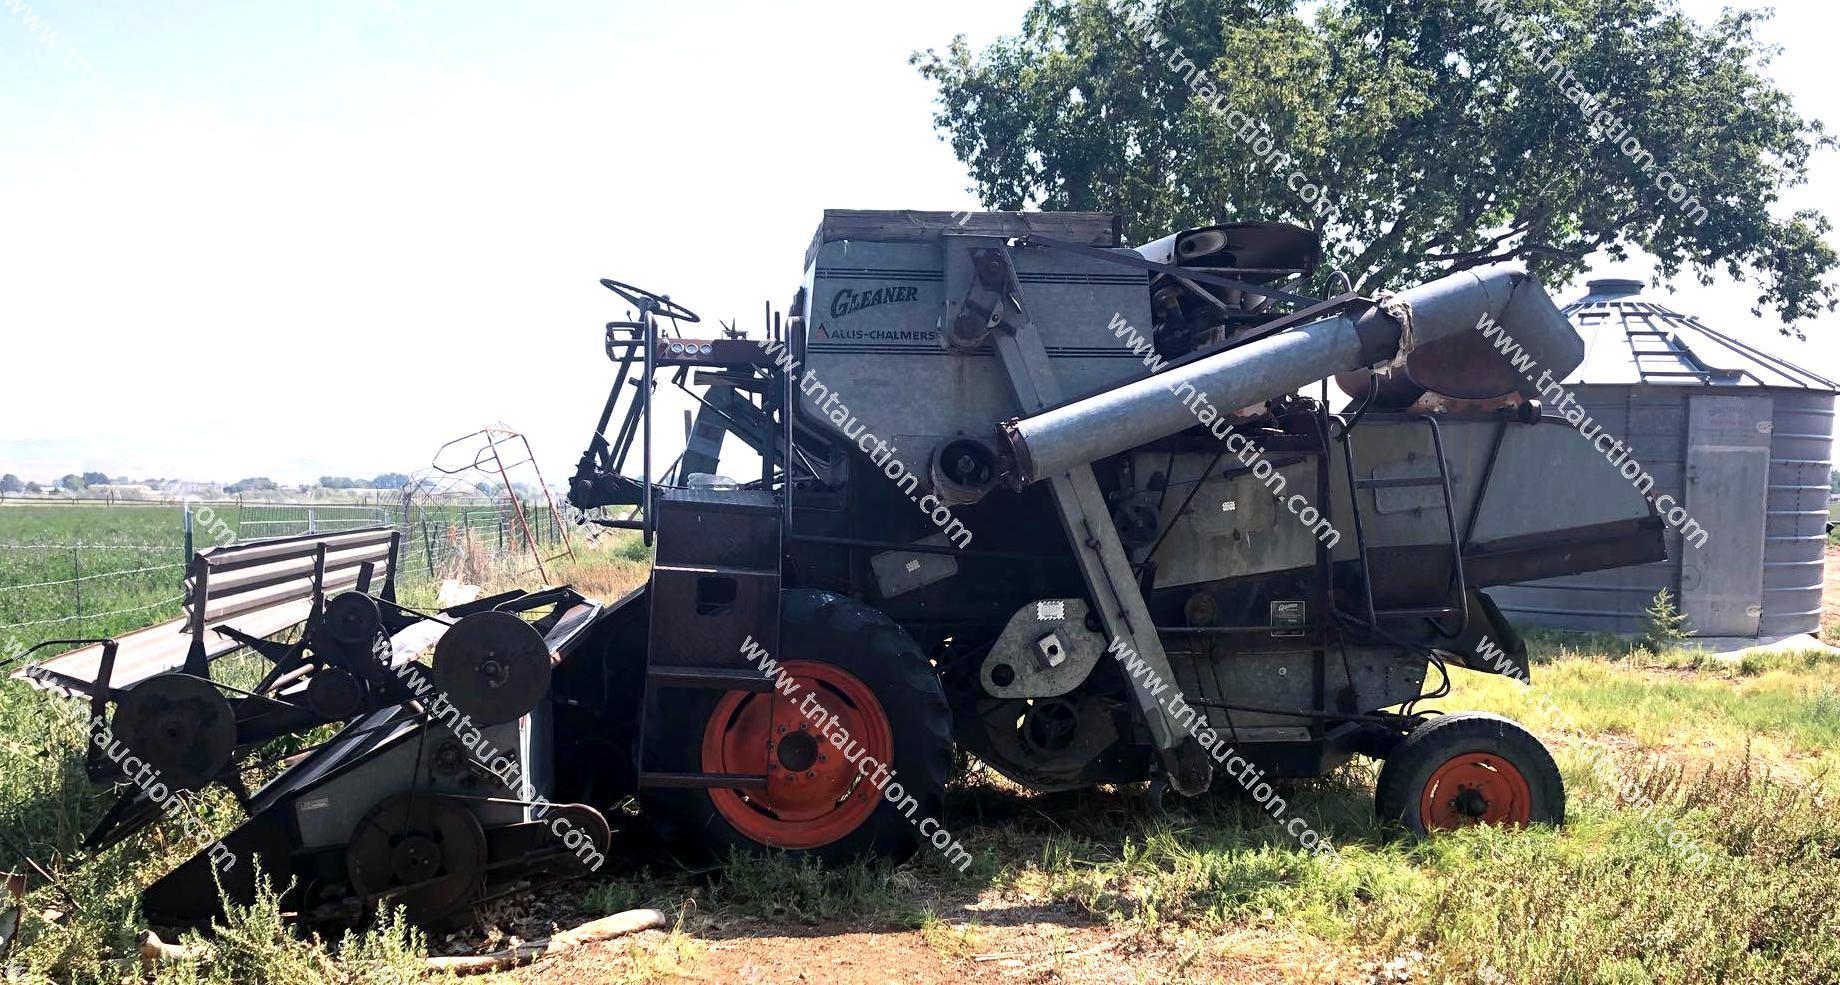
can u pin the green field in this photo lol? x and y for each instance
(1742, 758)
(1737, 757)
(90, 571)
(63, 567)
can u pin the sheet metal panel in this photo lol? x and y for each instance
(1728, 456)
(1652, 421)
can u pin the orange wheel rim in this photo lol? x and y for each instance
(1475, 788)
(819, 765)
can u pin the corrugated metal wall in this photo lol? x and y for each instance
(1653, 419)
(1795, 529)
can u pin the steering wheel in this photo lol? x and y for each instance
(657, 303)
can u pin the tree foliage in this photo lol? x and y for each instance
(260, 483)
(1443, 135)
(10, 483)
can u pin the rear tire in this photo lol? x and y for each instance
(1469, 768)
(863, 669)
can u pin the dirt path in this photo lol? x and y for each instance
(1030, 948)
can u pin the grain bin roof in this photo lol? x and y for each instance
(1630, 339)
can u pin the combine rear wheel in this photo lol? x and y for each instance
(1471, 768)
(866, 729)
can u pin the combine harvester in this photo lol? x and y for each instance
(1021, 489)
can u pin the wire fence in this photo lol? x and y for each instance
(104, 571)
(439, 539)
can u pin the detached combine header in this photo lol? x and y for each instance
(1079, 410)
(464, 772)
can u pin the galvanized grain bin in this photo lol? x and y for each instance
(1740, 439)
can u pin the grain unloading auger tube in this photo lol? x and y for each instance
(811, 598)
(1376, 334)
(1056, 441)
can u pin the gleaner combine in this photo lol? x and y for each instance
(1005, 362)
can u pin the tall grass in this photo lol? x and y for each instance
(1734, 755)
(1605, 899)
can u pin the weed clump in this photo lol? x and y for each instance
(1664, 626)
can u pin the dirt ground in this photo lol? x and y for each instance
(986, 938)
(970, 934)
(1014, 943)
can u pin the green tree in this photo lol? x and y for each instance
(1436, 127)
(390, 480)
(260, 483)
(34, 488)
(95, 479)
(72, 482)
(10, 483)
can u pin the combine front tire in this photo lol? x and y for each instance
(840, 778)
(1469, 768)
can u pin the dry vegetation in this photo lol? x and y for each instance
(1097, 887)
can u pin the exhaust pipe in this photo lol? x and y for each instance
(1137, 413)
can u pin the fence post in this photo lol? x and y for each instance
(76, 578)
(428, 547)
(186, 513)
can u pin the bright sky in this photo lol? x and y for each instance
(301, 239)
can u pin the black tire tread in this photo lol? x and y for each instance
(873, 647)
(1408, 767)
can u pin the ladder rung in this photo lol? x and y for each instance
(702, 781)
(708, 679)
(1422, 480)
(1417, 613)
(738, 571)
